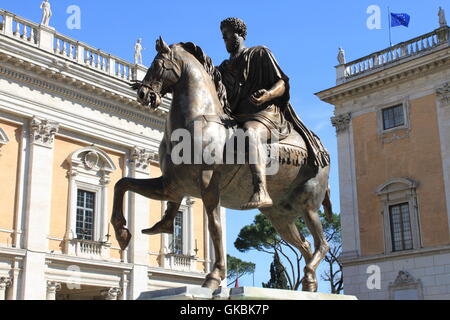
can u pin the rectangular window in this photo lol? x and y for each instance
(85, 215)
(393, 117)
(178, 234)
(401, 227)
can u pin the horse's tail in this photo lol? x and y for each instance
(327, 206)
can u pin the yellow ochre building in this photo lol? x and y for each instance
(392, 117)
(70, 128)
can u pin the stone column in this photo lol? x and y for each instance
(38, 207)
(139, 220)
(443, 112)
(52, 288)
(347, 184)
(111, 293)
(5, 283)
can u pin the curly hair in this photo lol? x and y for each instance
(237, 25)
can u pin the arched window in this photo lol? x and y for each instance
(400, 215)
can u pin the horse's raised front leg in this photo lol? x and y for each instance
(150, 188)
(211, 200)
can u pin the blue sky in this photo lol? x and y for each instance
(303, 35)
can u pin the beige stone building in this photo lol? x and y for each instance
(392, 116)
(70, 128)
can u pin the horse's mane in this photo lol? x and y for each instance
(215, 75)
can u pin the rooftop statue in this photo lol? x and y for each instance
(442, 19)
(46, 13)
(138, 52)
(250, 93)
(341, 56)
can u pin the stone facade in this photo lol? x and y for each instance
(382, 167)
(69, 122)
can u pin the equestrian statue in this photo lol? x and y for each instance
(247, 92)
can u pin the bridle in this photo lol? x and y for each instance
(156, 86)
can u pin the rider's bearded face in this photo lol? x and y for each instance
(232, 39)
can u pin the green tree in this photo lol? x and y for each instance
(262, 236)
(277, 276)
(237, 268)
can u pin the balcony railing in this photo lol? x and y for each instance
(179, 262)
(88, 249)
(48, 39)
(398, 53)
(24, 30)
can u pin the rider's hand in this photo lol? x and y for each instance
(260, 97)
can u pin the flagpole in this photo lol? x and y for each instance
(389, 21)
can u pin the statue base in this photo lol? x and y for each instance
(244, 293)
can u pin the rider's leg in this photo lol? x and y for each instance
(258, 135)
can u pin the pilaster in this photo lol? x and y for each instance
(52, 288)
(443, 112)
(347, 184)
(139, 220)
(38, 207)
(111, 293)
(5, 283)
(42, 134)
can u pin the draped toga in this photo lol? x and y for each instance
(255, 69)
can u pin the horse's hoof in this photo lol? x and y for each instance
(257, 205)
(259, 200)
(123, 237)
(309, 286)
(211, 283)
(160, 227)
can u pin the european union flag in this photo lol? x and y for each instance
(400, 19)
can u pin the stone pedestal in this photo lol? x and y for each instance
(245, 293)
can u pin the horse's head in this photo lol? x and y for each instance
(163, 74)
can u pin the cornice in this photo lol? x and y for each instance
(65, 259)
(394, 256)
(71, 94)
(394, 75)
(35, 57)
(174, 273)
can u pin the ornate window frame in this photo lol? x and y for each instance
(89, 170)
(395, 192)
(405, 282)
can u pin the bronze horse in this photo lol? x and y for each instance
(297, 190)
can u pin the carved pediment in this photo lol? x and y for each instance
(395, 185)
(404, 278)
(91, 161)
